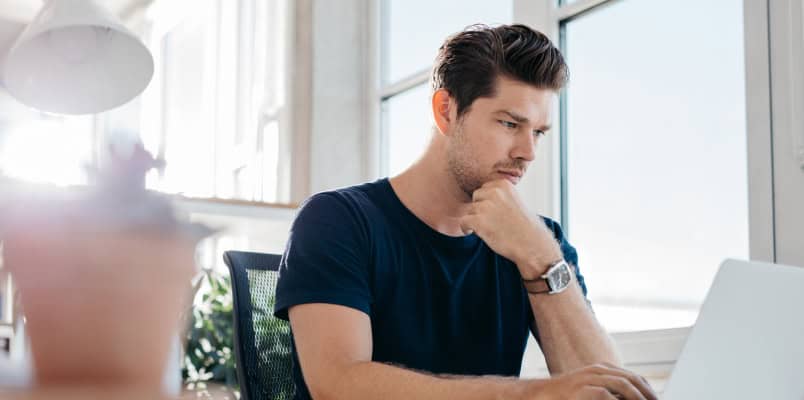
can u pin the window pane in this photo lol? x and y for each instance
(220, 89)
(270, 162)
(188, 122)
(226, 101)
(414, 29)
(657, 178)
(51, 149)
(408, 125)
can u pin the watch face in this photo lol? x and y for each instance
(559, 278)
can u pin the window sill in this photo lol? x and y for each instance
(235, 208)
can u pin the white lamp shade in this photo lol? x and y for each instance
(77, 58)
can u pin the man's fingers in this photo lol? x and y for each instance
(497, 183)
(480, 207)
(489, 189)
(480, 194)
(637, 381)
(640, 382)
(617, 385)
(594, 393)
(468, 224)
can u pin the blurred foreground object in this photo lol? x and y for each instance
(103, 275)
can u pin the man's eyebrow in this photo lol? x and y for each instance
(516, 117)
(520, 119)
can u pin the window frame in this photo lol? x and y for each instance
(786, 56)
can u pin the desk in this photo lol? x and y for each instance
(214, 392)
(82, 393)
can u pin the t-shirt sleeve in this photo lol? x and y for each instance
(326, 257)
(570, 254)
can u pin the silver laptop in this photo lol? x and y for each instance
(748, 342)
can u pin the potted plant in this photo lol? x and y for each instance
(209, 347)
(209, 352)
(102, 274)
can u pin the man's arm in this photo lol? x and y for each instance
(334, 347)
(569, 333)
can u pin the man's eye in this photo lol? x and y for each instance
(539, 134)
(508, 124)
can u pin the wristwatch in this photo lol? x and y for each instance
(554, 281)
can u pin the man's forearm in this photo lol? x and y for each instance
(372, 380)
(569, 333)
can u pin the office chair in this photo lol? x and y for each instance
(262, 342)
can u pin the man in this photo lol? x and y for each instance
(426, 286)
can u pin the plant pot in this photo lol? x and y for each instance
(101, 307)
(102, 278)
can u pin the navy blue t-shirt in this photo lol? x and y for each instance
(437, 303)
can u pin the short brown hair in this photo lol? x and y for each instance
(469, 62)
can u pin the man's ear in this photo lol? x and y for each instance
(443, 106)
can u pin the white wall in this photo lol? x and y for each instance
(337, 133)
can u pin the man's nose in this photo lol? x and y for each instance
(524, 148)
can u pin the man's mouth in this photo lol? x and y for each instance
(511, 175)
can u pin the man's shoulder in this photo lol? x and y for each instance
(352, 201)
(554, 227)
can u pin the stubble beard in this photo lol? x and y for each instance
(465, 169)
(462, 166)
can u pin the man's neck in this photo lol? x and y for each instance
(431, 193)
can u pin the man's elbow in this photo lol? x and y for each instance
(331, 382)
(322, 388)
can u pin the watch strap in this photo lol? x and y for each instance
(536, 286)
(539, 285)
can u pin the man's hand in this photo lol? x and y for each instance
(597, 382)
(498, 217)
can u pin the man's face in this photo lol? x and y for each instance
(496, 137)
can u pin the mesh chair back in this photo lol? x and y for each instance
(262, 342)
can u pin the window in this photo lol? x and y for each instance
(216, 111)
(47, 149)
(655, 178)
(408, 123)
(409, 44)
